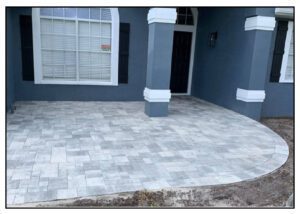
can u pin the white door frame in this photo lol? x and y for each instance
(193, 30)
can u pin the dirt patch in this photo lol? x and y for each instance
(271, 190)
(139, 198)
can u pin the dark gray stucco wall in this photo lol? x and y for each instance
(279, 100)
(27, 90)
(235, 61)
(10, 87)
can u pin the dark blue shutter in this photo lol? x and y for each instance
(282, 28)
(26, 47)
(124, 52)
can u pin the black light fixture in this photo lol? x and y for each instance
(213, 39)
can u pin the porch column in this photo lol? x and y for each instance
(259, 31)
(160, 42)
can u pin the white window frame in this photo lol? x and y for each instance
(285, 57)
(37, 53)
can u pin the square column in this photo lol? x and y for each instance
(160, 45)
(259, 30)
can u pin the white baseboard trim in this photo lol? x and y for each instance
(154, 95)
(260, 23)
(250, 95)
(162, 15)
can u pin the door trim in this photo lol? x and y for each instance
(193, 30)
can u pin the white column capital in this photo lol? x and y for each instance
(260, 23)
(162, 15)
(284, 12)
(154, 95)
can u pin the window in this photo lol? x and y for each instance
(76, 45)
(184, 16)
(283, 56)
(287, 66)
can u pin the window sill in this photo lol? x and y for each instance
(66, 82)
(286, 81)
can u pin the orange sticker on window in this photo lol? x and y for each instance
(105, 47)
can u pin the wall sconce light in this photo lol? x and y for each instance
(213, 39)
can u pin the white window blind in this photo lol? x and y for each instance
(290, 64)
(76, 45)
(287, 66)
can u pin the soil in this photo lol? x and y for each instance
(271, 190)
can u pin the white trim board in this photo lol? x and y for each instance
(285, 57)
(184, 28)
(154, 95)
(192, 56)
(260, 23)
(162, 15)
(250, 95)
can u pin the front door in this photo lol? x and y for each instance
(180, 62)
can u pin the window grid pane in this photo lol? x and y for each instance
(184, 16)
(93, 14)
(94, 41)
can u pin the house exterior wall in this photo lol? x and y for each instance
(219, 71)
(279, 100)
(27, 90)
(237, 61)
(10, 87)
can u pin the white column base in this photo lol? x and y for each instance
(154, 95)
(250, 95)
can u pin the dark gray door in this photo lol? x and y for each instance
(180, 61)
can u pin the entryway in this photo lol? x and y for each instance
(180, 61)
(183, 50)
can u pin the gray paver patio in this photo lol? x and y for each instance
(58, 150)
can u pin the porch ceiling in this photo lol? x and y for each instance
(59, 150)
